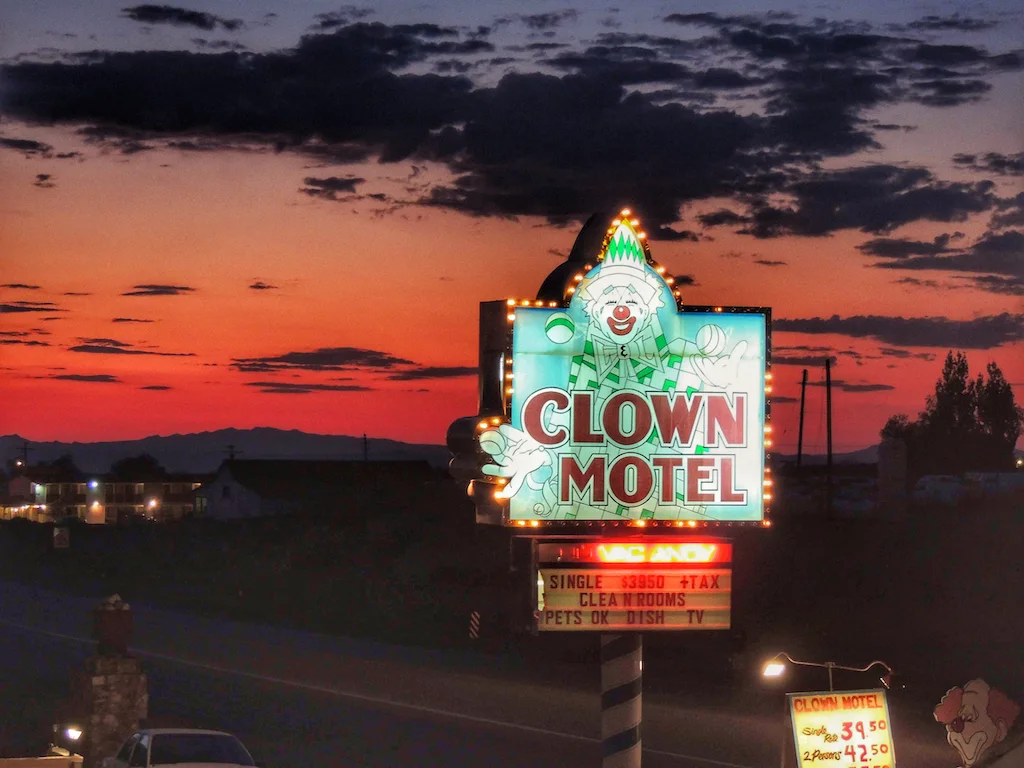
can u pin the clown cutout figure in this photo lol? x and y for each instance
(976, 718)
(626, 408)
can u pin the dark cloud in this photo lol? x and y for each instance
(946, 55)
(950, 93)
(806, 361)
(337, 88)
(342, 17)
(44, 181)
(770, 262)
(127, 141)
(994, 253)
(324, 359)
(218, 45)
(875, 199)
(544, 21)
(846, 386)
(800, 348)
(259, 285)
(159, 290)
(668, 233)
(918, 282)
(27, 147)
(685, 281)
(25, 342)
(204, 144)
(329, 187)
(111, 347)
(906, 354)
(129, 320)
(105, 342)
(21, 286)
(993, 162)
(157, 387)
(1010, 213)
(453, 66)
(289, 388)
(181, 17)
(15, 307)
(954, 22)
(542, 145)
(540, 22)
(720, 78)
(435, 372)
(101, 378)
(901, 248)
(1009, 286)
(985, 332)
(620, 65)
(76, 293)
(723, 216)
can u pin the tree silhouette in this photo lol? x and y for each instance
(1000, 418)
(64, 468)
(140, 468)
(967, 425)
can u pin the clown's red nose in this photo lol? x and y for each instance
(621, 312)
(957, 725)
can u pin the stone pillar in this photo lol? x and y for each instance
(110, 692)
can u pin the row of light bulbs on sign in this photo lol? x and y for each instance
(646, 524)
(578, 278)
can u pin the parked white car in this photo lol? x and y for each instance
(158, 747)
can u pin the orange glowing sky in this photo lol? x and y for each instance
(264, 270)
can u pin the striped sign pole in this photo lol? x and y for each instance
(622, 661)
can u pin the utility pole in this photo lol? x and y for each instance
(828, 422)
(232, 450)
(800, 435)
(366, 448)
(22, 463)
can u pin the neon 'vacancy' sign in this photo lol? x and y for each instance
(625, 406)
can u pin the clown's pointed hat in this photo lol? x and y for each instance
(624, 247)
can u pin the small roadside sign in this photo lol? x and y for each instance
(61, 538)
(842, 728)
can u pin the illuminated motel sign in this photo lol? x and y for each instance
(620, 405)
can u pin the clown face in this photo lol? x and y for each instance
(973, 731)
(619, 314)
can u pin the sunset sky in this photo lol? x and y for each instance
(285, 214)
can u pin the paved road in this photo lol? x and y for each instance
(298, 699)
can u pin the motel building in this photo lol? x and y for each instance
(99, 501)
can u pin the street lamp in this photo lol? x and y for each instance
(776, 666)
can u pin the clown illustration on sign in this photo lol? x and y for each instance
(625, 408)
(976, 718)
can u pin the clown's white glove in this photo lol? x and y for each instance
(720, 372)
(517, 457)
